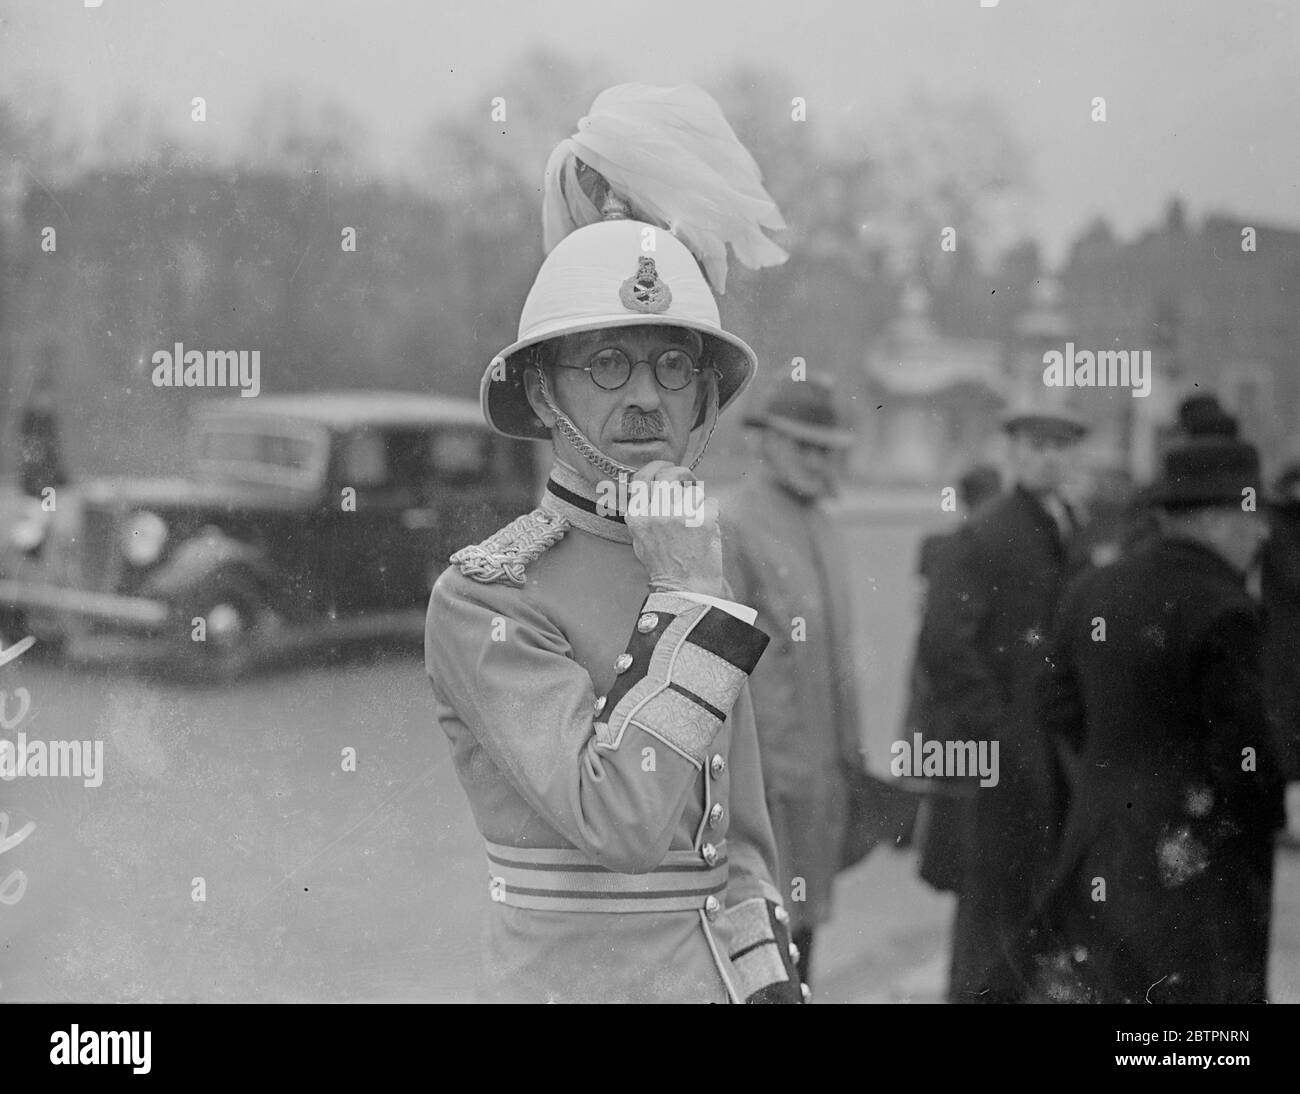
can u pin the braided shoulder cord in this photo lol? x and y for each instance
(503, 556)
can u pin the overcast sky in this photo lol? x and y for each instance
(1202, 96)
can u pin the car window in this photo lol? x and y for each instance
(364, 459)
(460, 455)
(291, 452)
(408, 466)
(248, 451)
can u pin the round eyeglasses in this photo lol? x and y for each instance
(611, 368)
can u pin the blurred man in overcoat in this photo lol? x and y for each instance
(991, 598)
(1163, 888)
(943, 824)
(784, 557)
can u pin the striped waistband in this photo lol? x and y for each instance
(566, 880)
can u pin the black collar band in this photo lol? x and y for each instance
(573, 497)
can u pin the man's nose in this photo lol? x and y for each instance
(642, 389)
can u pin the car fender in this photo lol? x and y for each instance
(205, 557)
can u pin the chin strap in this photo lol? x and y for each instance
(595, 456)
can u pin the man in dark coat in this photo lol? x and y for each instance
(1202, 417)
(1280, 592)
(943, 820)
(1162, 892)
(990, 601)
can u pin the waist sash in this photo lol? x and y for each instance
(566, 880)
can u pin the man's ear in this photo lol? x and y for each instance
(533, 393)
(702, 399)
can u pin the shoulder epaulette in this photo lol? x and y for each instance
(504, 554)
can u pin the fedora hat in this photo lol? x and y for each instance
(598, 278)
(806, 411)
(1207, 471)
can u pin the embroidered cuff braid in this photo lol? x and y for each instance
(684, 667)
(761, 953)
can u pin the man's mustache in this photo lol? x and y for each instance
(643, 426)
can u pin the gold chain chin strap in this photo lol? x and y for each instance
(594, 455)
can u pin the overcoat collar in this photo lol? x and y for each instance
(1193, 553)
(1036, 512)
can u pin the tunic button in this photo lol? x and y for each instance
(782, 916)
(717, 765)
(647, 623)
(715, 815)
(794, 953)
(712, 908)
(805, 991)
(710, 854)
(600, 703)
(623, 663)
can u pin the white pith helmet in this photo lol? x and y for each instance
(602, 276)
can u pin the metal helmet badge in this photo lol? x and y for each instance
(646, 291)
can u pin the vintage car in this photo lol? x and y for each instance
(305, 519)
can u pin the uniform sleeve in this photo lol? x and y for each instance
(760, 943)
(760, 946)
(579, 760)
(959, 604)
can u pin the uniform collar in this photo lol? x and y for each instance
(571, 496)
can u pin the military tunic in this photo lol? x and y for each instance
(604, 736)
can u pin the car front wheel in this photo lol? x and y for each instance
(223, 626)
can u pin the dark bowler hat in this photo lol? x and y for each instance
(1208, 471)
(1203, 416)
(804, 410)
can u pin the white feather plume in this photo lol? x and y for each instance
(668, 152)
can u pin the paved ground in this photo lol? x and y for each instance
(321, 884)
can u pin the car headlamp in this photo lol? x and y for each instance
(28, 532)
(143, 536)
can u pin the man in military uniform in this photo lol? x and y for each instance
(588, 665)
